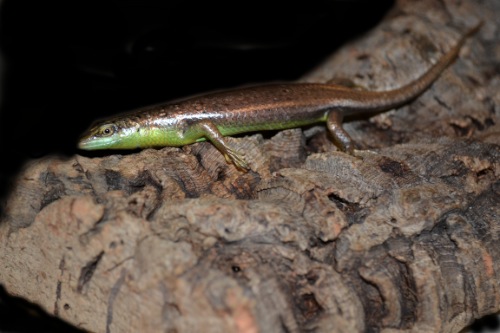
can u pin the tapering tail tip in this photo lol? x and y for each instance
(474, 29)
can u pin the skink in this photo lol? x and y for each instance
(268, 107)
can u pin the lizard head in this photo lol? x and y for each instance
(111, 134)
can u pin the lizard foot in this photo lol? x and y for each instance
(237, 159)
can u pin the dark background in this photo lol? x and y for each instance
(66, 63)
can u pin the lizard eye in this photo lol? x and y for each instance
(107, 130)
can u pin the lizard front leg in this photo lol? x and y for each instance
(212, 133)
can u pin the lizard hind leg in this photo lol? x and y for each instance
(340, 136)
(212, 133)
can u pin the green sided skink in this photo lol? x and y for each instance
(269, 107)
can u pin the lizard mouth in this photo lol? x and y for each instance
(86, 144)
(94, 143)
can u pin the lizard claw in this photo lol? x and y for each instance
(237, 159)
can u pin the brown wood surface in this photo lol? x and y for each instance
(402, 238)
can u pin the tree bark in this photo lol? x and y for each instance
(402, 238)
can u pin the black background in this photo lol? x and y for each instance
(69, 62)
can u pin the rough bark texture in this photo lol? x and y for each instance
(403, 239)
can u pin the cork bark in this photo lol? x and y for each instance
(401, 238)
